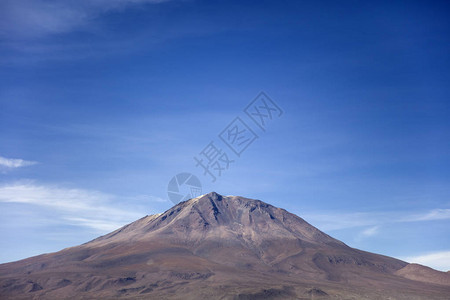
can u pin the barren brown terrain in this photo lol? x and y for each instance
(219, 247)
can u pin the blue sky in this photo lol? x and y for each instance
(103, 102)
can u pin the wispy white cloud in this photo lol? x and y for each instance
(150, 198)
(371, 231)
(93, 209)
(368, 224)
(367, 233)
(100, 225)
(436, 260)
(435, 214)
(38, 18)
(12, 163)
(337, 221)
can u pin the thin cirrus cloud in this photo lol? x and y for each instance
(435, 214)
(436, 260)
(38, 18)
(95, 210)
(338, 221)
(371, 231)
(372, 222)
(13, 163)
(367, 233)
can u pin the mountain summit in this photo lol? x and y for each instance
(219, 247)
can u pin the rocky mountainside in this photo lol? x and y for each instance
(219, 247)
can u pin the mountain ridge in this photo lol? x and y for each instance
(215, 246)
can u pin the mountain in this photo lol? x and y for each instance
(219, 247)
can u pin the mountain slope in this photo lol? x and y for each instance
(216, 247)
